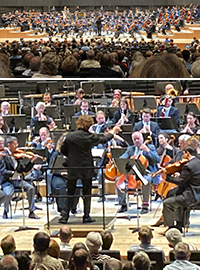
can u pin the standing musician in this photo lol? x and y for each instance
(186, 194)
(77, 148)
(99, 25)
(10, 166)
(149, 152)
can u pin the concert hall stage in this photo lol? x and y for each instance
(81, 230)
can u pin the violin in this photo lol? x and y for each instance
(20, 154)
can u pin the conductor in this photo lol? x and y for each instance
(77, 148)
(99, 24)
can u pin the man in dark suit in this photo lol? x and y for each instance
(10, 166)
(101, 125)
(187, 193)
(77, 148)
(84, 105)
(148, 126)
(168, 110)
(150, 153)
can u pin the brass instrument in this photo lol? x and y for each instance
(172, 92)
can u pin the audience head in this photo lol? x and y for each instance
(94, 242)
(107, 239)
(69, 64)
(41, 241)
(35, 63)
(145, 235)
(81, 259)
(8, 262)
(163, 65)
(141, 261)
(65, 234)
(23, 259)
(49, 64)
(173, 237)
(90, 55)
(53, 249)
(182, 251)
(8, 245)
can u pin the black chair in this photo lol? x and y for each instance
(100, 264)
(65, 254)
(112, 253)
(84, 72)
(153, 256)
(195, 255)
(186, 215)
(14, 62)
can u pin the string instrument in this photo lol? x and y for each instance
(188, 16)
(169, 169)
(165, 159)
(111, 171)
(132, 182)
(164, 107)
(20, 154)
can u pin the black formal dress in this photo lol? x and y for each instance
(129, 114)
(77, 148)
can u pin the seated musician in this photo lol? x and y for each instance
(165, 147)
(79, 96)
(192, 124)
(5, 108)
(148, 126)
(149, 152)
(116, 98)
(40, 107)
(47, 99)
(167, 110)
(9, 166)
(3, 126)
(123, 115)
(186, 194)
(59, 181)
(84, 105)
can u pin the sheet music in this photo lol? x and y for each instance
(97, 152)
(135, 169)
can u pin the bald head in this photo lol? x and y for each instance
(65, 234)
(168, 87)
(137, 138)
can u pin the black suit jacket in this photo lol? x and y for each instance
(89, 113)
(103, 128)
(154, 127)
(173, 112)
(129, 115)
(7, 168)
(77, 148)
(189, 181)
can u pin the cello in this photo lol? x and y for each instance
(131, 179)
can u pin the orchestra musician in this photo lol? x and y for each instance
(148, 126)
(192, 124)
(77, 148)
(99, 25)
(84, 105)
(40, 107)
(123, 115)
(5, 108)
(9, 167)
(186, 194)
(149, 152)
(116, 98)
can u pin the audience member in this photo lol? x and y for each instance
(182, 256)
(140, 261)
(8, 262)
(8, 245)
(65, 235)
(40, 256)
(107, 239)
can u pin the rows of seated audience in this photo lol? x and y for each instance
(97, 58)
(95, 252)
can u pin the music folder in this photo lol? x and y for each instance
(131, 166)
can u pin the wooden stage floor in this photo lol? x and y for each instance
(123, 236)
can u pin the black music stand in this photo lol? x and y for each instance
(166, 123)
(128, 167)
(142, 102)
(21, 137)
(51, 111)
(22, 165)
(47, 86)
(93, 87)
(69, 111)
(38, 126)
(15, 122)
